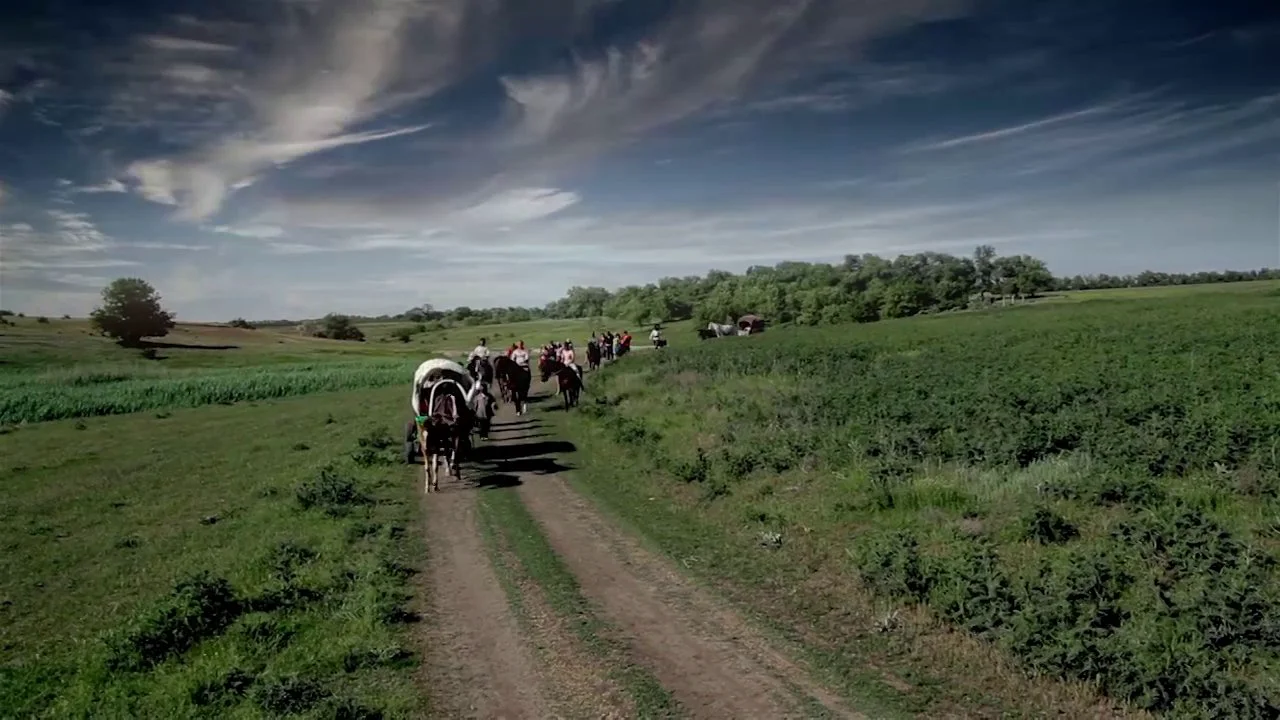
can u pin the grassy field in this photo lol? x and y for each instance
(1091, 489)
(58, 369)
(183, 536)
(238, 561)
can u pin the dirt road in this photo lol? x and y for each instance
(488, 660)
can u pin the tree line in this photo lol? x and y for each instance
(861, 288)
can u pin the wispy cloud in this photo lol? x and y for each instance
(1111, 140)
(251, 231)
(330, 69)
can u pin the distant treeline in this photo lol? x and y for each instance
(862, 288)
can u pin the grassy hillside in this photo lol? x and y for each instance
(1092, 488)
(60, 369)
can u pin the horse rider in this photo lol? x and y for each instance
(520, 355)
(480, 351)
(655, 335)
(569, 358)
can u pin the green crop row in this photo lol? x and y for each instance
(1095, 488)
(113, 392)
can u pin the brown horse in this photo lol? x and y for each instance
(443, 430)
(568, 382)
(502, 370)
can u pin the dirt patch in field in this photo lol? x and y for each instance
(477, 665)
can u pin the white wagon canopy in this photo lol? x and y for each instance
(433, 371)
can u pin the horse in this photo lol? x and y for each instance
(593, 355)
(706, 334)
(659, 343)
(502, 370)
(520, 379)
(723, 330)
(568, 381)
(444, 430)
(481, 370)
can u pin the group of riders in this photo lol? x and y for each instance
(451, 401)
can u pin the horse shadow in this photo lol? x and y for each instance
(499, 453)
(527, 436)
(497, 481)
(535, 466)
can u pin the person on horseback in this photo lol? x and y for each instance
(480, 351)
(569, 358)
(520, 355)
(655, 335)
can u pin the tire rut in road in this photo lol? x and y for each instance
(701, 651)
(477, 663)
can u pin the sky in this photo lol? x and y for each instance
(289, 158)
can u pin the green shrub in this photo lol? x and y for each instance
(200, 607)
(331, 492)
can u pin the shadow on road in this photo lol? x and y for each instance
(496, 453)
(515, 424)
(497, 481)
(529, 436)
(534, 466)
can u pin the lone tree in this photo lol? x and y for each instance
(131, 311)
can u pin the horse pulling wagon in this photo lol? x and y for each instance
(442, 419)
(746, 325)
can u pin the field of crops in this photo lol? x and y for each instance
(114, 390)
(1092, 488)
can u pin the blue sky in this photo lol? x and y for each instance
(287, 158)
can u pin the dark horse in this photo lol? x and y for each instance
(706, 333)
(502, 374)
(567, 380)
(514, 381)
(593, 355)
(481, 370)
(444, 430)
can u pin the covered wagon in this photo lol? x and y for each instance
(750, 324)
(424, 378)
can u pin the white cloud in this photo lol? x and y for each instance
(251, 231)
(520, 205)
(1140, 133)
(166, 42)
(313, 76)
(110, 185)
(67, 264)
(177, 247)
(77, 232)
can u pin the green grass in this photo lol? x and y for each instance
(79, 393)
(1092, 488)
(290, 517)
(507, 524)
(57, 370)
(1174, 291)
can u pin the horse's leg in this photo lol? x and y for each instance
(426, 459)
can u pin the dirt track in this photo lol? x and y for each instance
(481, 665)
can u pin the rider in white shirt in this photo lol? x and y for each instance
(655, 335)
(481, 351)
(520, 355)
